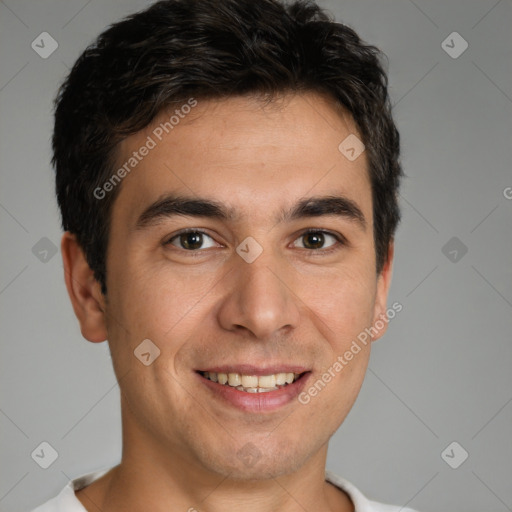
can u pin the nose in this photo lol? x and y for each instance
(260, 299)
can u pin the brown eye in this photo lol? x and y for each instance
(315, 240)
(191, 240)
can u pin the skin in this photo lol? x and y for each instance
(293, 304)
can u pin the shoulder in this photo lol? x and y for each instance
(361, 502)
(66, 500)
(381, 507)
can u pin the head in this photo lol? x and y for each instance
(227, 119)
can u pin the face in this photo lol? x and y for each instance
(241, 245)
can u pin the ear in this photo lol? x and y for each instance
(84, 290)
(380, 317)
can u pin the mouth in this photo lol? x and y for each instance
(253, 383)
(252, 389)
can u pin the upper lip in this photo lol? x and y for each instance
(248, 369)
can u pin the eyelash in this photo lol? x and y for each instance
(341, 241)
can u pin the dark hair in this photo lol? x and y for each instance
(177, 49)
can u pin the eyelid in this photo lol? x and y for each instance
(169, 239)
(340, 239)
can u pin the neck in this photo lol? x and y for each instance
(150, 478)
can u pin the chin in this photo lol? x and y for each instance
(257, 461)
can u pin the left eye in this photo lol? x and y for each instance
(194, 240)
(191, 240)
(316, 239)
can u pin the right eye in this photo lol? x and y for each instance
(190, 240)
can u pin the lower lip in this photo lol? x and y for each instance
(257, 402)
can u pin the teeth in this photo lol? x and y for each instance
(267, 381)
(234, 379)
(280, 379)
(256, 390)
(249, 381)
(253, 383)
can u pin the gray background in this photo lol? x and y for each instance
(440, 374)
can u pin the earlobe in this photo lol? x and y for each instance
(380, 317)
(84, 290)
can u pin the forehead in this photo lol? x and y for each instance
(245, 154)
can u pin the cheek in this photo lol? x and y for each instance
(343, 300)
(156, 303)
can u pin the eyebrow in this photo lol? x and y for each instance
(318, 206)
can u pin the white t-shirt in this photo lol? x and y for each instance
(66, 501)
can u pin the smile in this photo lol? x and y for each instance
(252, 383)
(252, 389)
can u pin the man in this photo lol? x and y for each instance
(227, 173)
